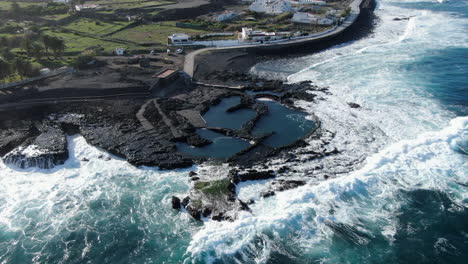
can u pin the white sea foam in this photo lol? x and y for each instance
(421, 135)
(39, 207)
(427, 162)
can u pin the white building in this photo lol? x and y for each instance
(120, 51)
(271, 6)
(84, 7)
(178, 38)
(62, 1)
(249, 34)
(307, 18)
(312, 2)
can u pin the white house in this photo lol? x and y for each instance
(307, 18)
(271, 6)
(84, 7)
(120, 51)
(62, 1)
(178, 38)
(249, 34)
(312, 2)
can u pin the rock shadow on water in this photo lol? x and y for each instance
(219, 115)
(287, 125)
(222, 146)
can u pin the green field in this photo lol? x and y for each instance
(6, 5)
(96, 27)
(153, 33)
(56, 17)
(76, 43)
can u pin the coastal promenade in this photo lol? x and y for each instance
(190, 65)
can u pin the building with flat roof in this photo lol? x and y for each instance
(307, 18)
(178, 38)
(271, 6)
(248, 34)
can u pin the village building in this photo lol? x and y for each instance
(249, 34)
(312, 2)
(85, 7)
(307, 18)
(178, 38)
(271, 6)
(120, 51)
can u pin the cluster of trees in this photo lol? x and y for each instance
(18, 64)
(38, 10)
(34, 46)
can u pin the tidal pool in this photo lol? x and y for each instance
(218, 116)
(221, 148)
(287, 125)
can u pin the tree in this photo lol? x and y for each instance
(22, 67)
(4, 41)
(26, 44)
(46, 40)
(7, 54)
(37, 50)
(5, 68)
(81, 62)
(57, 45)
(15, 8)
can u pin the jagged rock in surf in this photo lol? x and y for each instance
(46, 151)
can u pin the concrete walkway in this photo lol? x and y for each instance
(140, 116)
(190, 66)
(167, 121)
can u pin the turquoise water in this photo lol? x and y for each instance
(287, 125)
(405, 203)
(222, 146)
(217, 116)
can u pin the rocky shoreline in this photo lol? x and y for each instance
(146, 131)
(113, 126)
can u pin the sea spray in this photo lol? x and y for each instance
(365, 203)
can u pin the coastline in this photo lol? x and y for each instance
(116, 125)
(240, 59)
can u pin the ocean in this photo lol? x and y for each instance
(404, 200)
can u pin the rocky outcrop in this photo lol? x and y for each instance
(46, 151)
(12, 134)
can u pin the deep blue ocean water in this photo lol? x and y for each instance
(406, 202)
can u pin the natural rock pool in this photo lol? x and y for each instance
(218, 116)
(287, 125)
(222, 147)
(283, 125)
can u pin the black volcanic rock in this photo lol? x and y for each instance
(175, 203)
(45, 151)
(283, 185)
(354, 105)
(15, 133)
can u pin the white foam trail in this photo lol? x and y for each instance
(427, 162)
(41, 207)
(396, 109)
